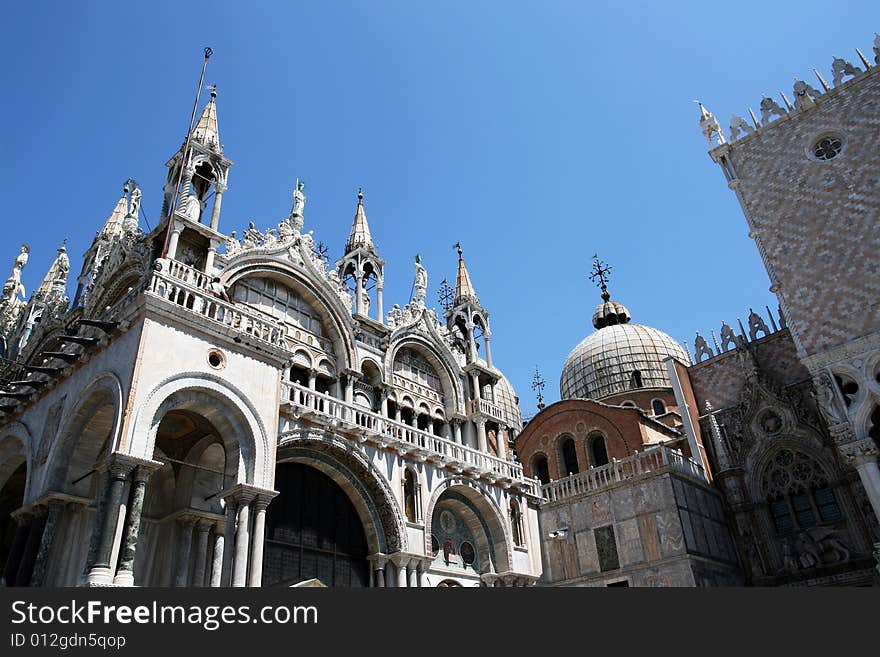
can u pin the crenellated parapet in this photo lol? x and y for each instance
(728, 338)
(805, 96)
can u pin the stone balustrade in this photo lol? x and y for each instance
(200, 302)
(393, 435)
(653, 460)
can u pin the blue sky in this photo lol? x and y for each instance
(534, 133)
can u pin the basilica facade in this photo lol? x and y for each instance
(214, 410)
(222, 409)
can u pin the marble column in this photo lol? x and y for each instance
(501, 441)
(349, 388)
(359, 293)
(400, 562)
(202, 528)
(412, 575)
(456, 426)
(176, 229)
(862, 455)
(380, 315)
(256, 572)
(481, 435)
(31, 546)
(217, 557)
(13, 560)
(240, 562)
(52, 519)
(313, 376)
(228, 539)
(486, 336)
(131, 531)
(209, 258)
(101, 572)
(219, 189)
(186, 524)
(380, 575)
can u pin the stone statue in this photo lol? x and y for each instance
(134, 207)
(192, 208)
(365, 301)
(877, 61)
(737, 124)
(840, 68)
(299, 204)
(16, 286)
(826, 398)
(285, 231)
(420, 284)
(232, 244)
(308, 244)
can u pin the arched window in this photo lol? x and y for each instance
(569, 458)
(410, 495)
(658, 407)
(798, 494)
(598, 450)
(516, 523)
(540, 469)
(635, 379)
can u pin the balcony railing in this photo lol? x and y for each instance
(397, 435)
(216, 311)
(640, 464)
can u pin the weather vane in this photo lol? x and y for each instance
(600, 275)
(538, 384)
(445, 295)
(320, 250)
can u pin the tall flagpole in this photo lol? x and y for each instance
(192, 119)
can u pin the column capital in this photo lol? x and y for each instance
(246, 493)
(859, 452)
(378, 560)
(119, 464)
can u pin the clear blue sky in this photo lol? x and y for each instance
(535, 133)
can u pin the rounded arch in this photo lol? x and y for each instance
(539, 464)
(865, 421)
(450, 384)
(597, 448)
(372, 372)
(15, 452)
(485, 518)
(89, 428)
(369, 492)
(758, 461)
(321, 297)
(566, 454)
(229, 411)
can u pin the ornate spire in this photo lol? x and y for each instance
(206, 130)
(608, 312)
(360, 230)
(710, 126)
(113, 225)
(55, 281)
(464, 289)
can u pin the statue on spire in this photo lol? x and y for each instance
(299, 203)
(600, 275)
(420, 284)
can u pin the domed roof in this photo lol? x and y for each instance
(604, 363)
(506, 399)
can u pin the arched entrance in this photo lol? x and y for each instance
(313, 531)
(13, 481)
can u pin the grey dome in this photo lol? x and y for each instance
(604, 362)
(506, 399)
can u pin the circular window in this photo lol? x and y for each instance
(827, 148)
(467, 552)
(216, 359)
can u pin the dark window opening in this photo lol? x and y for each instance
(658, 407)
(635, 379)
(598, 451)
(540, 469)
(848, 389)
(569, 457)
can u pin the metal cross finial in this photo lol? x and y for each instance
(213, 90)
(538, 384)
(446, 295)
(600, 275)
(457, 246)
